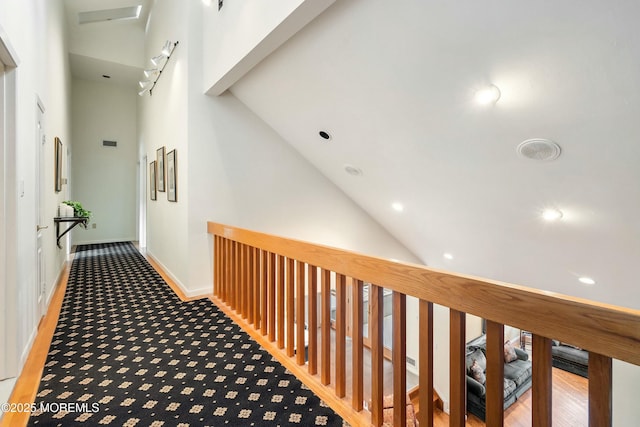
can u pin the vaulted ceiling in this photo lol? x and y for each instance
(394, 85)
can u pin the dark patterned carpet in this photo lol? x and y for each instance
(128, 352)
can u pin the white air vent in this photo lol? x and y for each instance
(118, 14)
(539, 149)
(411, 361)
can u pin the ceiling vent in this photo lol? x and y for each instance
(539, 149)
(118, 14)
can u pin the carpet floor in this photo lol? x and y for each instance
(127, 352)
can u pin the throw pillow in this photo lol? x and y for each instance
(477, 373)
(509, 353)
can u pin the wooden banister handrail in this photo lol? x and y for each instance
(601, 328)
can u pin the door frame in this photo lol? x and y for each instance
(8, 210)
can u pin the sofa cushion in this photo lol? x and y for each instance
(479, 357)
(572, 354)
(509, 387)
(518, 371)
(477, 372)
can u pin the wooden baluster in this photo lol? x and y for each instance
(264, 278)
(357, 344)
(251, 285)
(280, 298)
(600, 383)
(542, 381)
(325, 350)
(225, 271)
(457, 369)
(247, 283)
(495, 374)
(399, 359)
(256, 288)
(300, 315)
(376, 318)
(290, 307)
(272, 297)
(216, 265)
(341, 335)
(243, 280)
(312, 283)
(234, 277)
(425, 341)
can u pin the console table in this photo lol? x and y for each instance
(73, 220)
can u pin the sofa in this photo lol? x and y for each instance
(570, 358)
(517, 376)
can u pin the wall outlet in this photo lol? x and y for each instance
(93, 225)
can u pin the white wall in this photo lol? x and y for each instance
(163, 123)
(104, 178)
(35, 28)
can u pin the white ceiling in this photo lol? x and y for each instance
(393, 82)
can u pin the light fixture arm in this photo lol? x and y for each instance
(161, 68)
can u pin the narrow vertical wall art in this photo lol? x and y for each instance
(172, 176)
(58, 164)
(152, 180)
(160, 169)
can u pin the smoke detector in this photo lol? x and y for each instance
(539, 149)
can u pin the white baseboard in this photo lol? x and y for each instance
(189, 293)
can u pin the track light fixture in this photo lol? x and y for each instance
(152, 75)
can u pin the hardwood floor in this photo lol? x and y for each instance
(27, 384)
(569, 390)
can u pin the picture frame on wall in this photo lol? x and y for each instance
(172, 176)
(152, 181)
(160, 173)
(58, 164)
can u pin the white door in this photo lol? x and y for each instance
(41, 221)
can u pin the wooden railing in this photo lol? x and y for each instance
(261, 280)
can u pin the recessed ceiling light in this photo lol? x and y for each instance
(552, 214)
(397, 206)
(447, 255)
(487, 95)
(352, 170)
(587, 280)
(324, 135)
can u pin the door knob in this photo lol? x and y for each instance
(41, 227)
